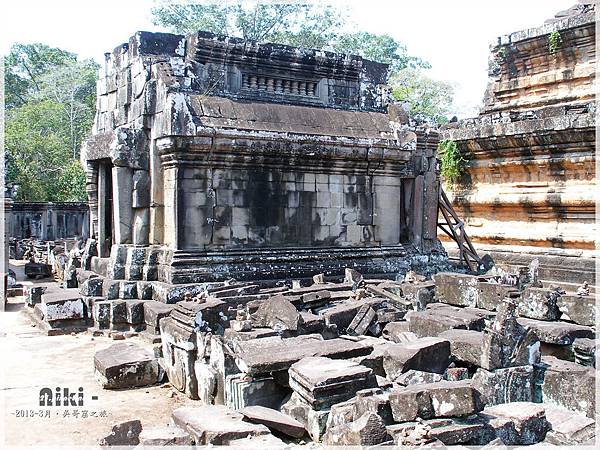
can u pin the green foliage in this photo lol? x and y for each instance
(280, 23)
(554, 41)
(427, 98)
(299, 25)
(25, 64)
(50, 112)
(38, 154)
(378, 47)
(452, 162)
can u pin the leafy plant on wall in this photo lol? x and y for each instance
(554, 41)
(452, 162)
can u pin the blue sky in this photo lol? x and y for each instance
(454, 36)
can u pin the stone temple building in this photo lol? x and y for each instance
(530, 179)
(213, 158)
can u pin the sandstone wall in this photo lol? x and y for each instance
(530, 176)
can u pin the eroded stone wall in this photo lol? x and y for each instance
(530, 171)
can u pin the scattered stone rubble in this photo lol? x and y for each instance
(466, 365)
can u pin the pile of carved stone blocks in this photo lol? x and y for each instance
(460, 360)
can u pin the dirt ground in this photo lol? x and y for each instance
(31, 361)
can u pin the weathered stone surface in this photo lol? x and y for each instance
(438, 318)
(506, 342)
(568, 427)
(125, 365)
(278, 313)
(323, 382)
(568, 385)
(418, 377)
(490, 295)
(560, 333)
(456, 289)
(153, 312)
(39, 270)
(179, 355)
(419, 294)
(539, 303)
(272, 354)
(123, 434)
(518, 423)
(512, 384)
(578, 309)
(274, 420)
(65, 304)
(373, 400)
(440, 399)
(164, 436)
(439, 433)
(264, 441)
(242, 391)
(215, 424)
(342, 313)
(584, 351)
(426, 354)
(465, 345)
(369, 429)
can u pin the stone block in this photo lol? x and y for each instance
(568, 385)
(101, 314)
(92, 287)
(539, 303)
(584, 351)
(367, 430)
(559, 333)
(418, 377)
(465, 345)
(512, 384)
(456, 289)
(125, 365)
(426, 354)
(578, 309)
(154, 311)
(215, 424)
(440, 399)
(272, 354)
(322, 382)
(164, 436)
(273, 420)
(123, 434)
(518, 423)
(242, 391)
(372, 401)
(135, 312)
(438, 318)
(62, 305)
(569, 428)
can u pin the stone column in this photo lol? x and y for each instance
(417, 212)
(122, 204)
(101, 211)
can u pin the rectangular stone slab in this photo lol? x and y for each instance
(581, 310)
(274, 420)
(63, 305)
(215, 424)
(268, 355)
(428, 354)
(561, 333)
(125, 365)
(465, 345)
(568, 385)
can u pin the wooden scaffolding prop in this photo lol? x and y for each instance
(450, 223)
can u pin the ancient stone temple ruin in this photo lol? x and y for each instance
(214, 158)
(530, 180)
(264, 241)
